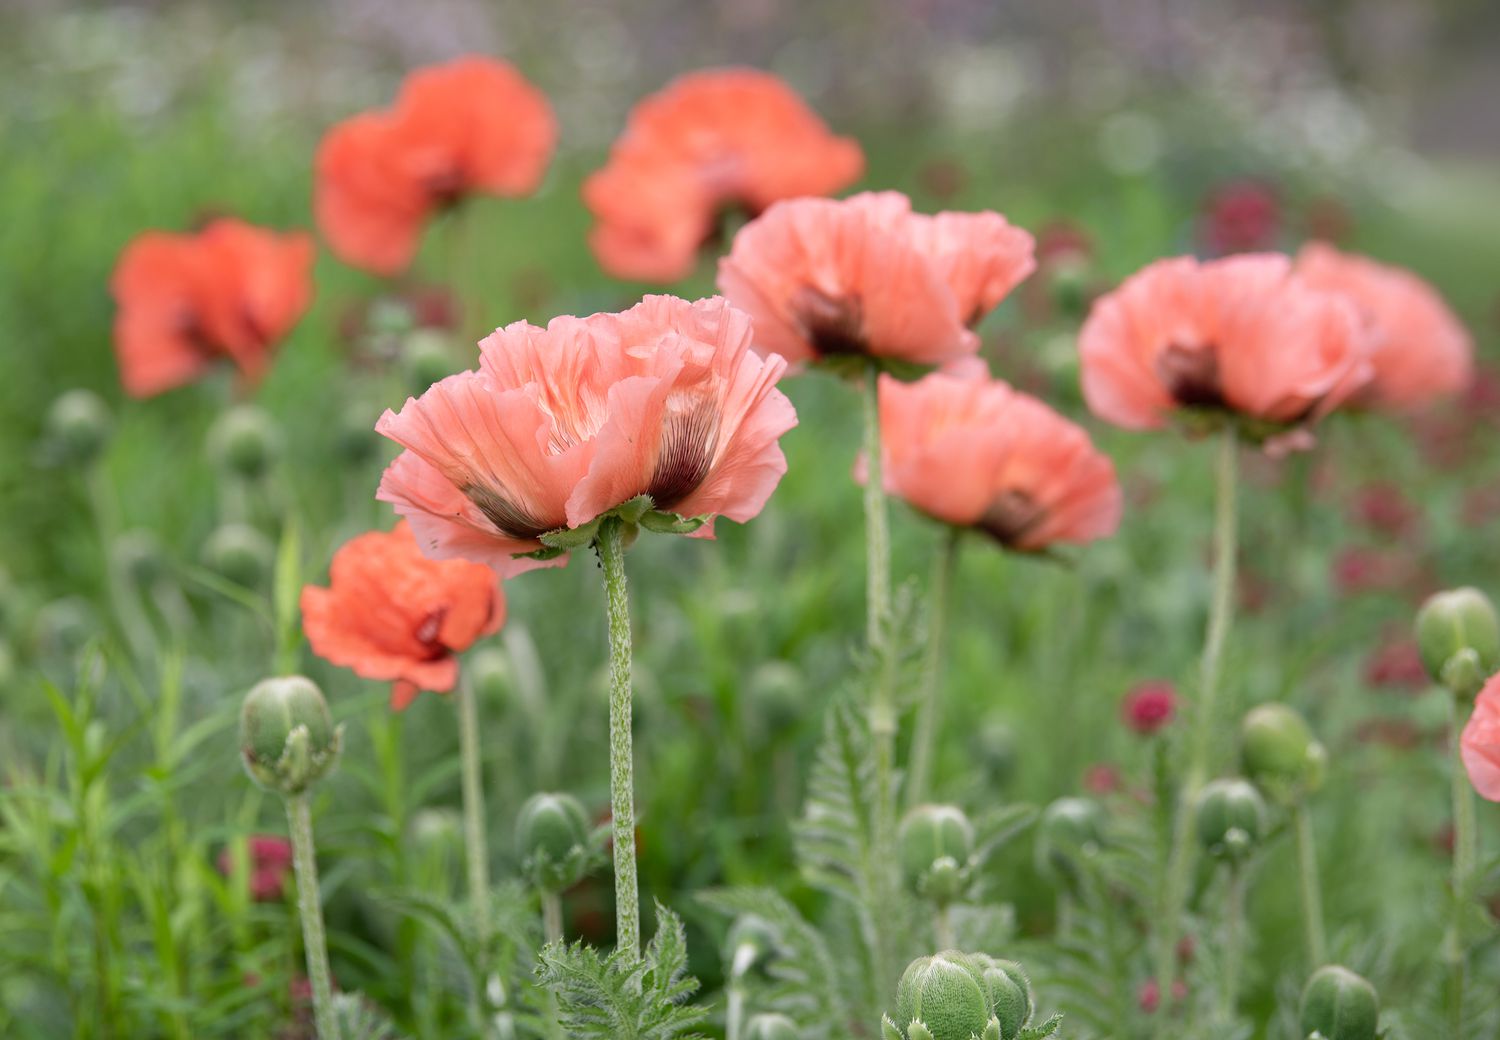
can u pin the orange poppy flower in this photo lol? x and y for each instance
(724, 138)
(1241, 334)
(560, 425)
(391, 613)
(471, 126)
(1479, 745)
(1418, 348)
(183, 301)
(867, 276)
(975, 453)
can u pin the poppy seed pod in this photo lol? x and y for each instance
(1280, 754)
(943, 995)
(78, 424)
(244, 441)
(929, 835)
(240, 553)
(771, 1027)
(1070, 832)
(287, 737)
(1337, 1004)
(552, 835)
(1452, 622)
(1231, 819)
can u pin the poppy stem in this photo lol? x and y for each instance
(610, 546)
(882, 709)
(929, 692)
(1221, 614)
(552, 928)
(310, 909)
(1312, 892)
(1464, 855)
(1234, 942)
(476, 854)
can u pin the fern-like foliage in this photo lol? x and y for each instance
(613, 997)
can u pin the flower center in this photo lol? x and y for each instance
(1010, 516)
(1191, 375)
(831, 324)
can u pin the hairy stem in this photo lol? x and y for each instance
(310, 908)
(1234, 942)
(476, 848)
(929, 691)
(552, 927)
(942, 926)
(1464, 856)
(1221, 612)
(611, 548)
(1312, 892)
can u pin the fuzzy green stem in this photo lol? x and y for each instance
(310, 908)
(552, 927)
(1221, 614)
(1312, 892)
(882, 709)
(1464, 856)
(929, 691)
(611, 548)
(942, 926)
(476, 847)
(1234, 942)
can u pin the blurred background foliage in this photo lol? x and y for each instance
(1121, 124)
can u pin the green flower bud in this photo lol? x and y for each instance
(426, 358)
(489, 670)
(1008, 990)
(287, 737)
(1339, 1005)
(78, 425)
(1280, 754)
(929, 834)
(244, 441)
(771, 1027)
(138, 555)
(1231, 819)
(240, 553)
(943, 995)
(552, 834)
(1068, 835)
(1452, 622)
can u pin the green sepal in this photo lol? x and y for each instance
(566, 539)
(547, 552)
(888, 1030)
(1041, 1032)
(992, 1030)
(918, 1031)
(661, 522)
(632, 510)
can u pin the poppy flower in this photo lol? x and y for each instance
(867, 276)
(1240, 335)
(1241, 217)
(184, 301)
(1418, 349)
(270, 862)
(1480, 744)
(707, 142)
(471, 126)
(975, 453)
(564, 424)
(391, 613)
(1149, 707)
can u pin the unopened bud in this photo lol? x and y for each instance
(78, 426)
(287, 737)
(489, 671)
(244, 441)
(1280, 754)
(1231, 819)
(240, 553)
(552, 834)
(930, 835)
(1451, 623)
(1337, 1004)
(772, 1027)
(1008, 990)
(1069, 835)
(944, 996)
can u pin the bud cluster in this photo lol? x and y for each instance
(961, 996)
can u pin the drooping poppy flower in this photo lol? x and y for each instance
(975, 453)
(391, 613)
(1479, 746)
(563, 424)
(1418, 348)
(1239, 335)
(470, 126)
(867, 276)
(184, 301)
(270, 862)
(707, 142)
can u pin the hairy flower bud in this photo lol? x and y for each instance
(240, 553)
(1451, 623)
(1070, 833)
(287, 737)
(771, 1027)
(929, 836)
(244, 441)
(1008, 990)
(1231, 819)
(552, 834)
(1280, 754)
(78, 425)
(944, 995)
(1337, 1004)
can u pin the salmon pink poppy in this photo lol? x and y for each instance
(975, 453)
(184, 301)
(471, 126)
(1417, 347)
(709, 141)
(867, 276)
(1480, 744)
(1241, 335)
(562, 425)
(391, 613)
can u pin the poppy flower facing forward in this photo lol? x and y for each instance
(868, 277)
(391, 613)
(709, 141)
(1418, 348)
(563, 425)
(470, 126)
(975, 453)
(1239, 335)
(1479, 746)
(184, 301)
